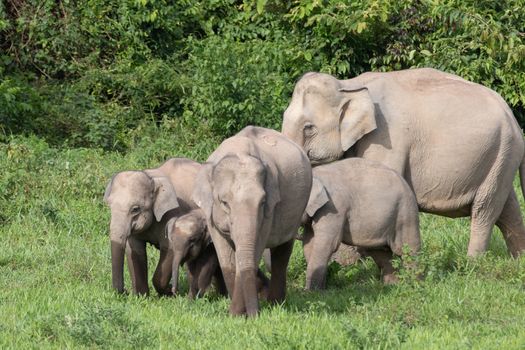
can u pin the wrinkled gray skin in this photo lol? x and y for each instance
(456, 143)
(141, 204)
(253, 190)
(360, 203)
(191, 244)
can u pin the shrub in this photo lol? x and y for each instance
(234, 84)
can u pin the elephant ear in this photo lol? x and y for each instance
(202, 193)
(357, 115)
(168, 229)
(318, 197)
(107, 193)
(165, 197)
(271, 187)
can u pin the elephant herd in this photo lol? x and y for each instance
(355, 162)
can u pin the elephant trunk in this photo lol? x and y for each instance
(245, 246)
(177, 258)
(289, 130)
(117, 266)
(119, 235)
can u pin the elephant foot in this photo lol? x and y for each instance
(165, 292)
(275, 300)
(264, 293)
(315, 286)
(390, 279)
(236, 310)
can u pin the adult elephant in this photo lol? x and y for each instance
(456, 143)
(141, 203)
(253, 191)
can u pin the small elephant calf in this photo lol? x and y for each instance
(361, 203)
(191, 244)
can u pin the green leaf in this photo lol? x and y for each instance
(260, 6)
(308, 56)
(425, 52)
(361, 26)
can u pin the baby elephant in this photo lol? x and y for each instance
(191, 244)
(361, 203)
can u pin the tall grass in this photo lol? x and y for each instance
(55, 287)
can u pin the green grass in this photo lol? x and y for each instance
(55, 275)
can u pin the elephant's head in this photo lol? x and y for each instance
(327, 116)
(136, 199)
(188, 237)
(238, 194)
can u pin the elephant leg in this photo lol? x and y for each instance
(487, 206)
(219, 282)
(317, 264)
(193, 278)
(510, 222)
(162, 275)
(263, 284)
(383, 259)
(226, 257)
(280, 257)
(318, 250)
(139, 266)
(208, 267)
(308, 241)
(479, 237)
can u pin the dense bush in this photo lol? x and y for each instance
(87, 74)
(234, 84)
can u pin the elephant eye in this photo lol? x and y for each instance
(309, 129)
(224, 205)
(135, 210)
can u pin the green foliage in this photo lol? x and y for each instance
(17, 101)
(87, 74)
(235, 84)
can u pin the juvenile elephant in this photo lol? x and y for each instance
(456, 143)
(141, 204)
(253, 191)
(361, 203)
(191, 244)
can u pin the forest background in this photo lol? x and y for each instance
(101, 73)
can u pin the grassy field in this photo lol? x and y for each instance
(55, 275)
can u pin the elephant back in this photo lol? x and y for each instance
(182, 173)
